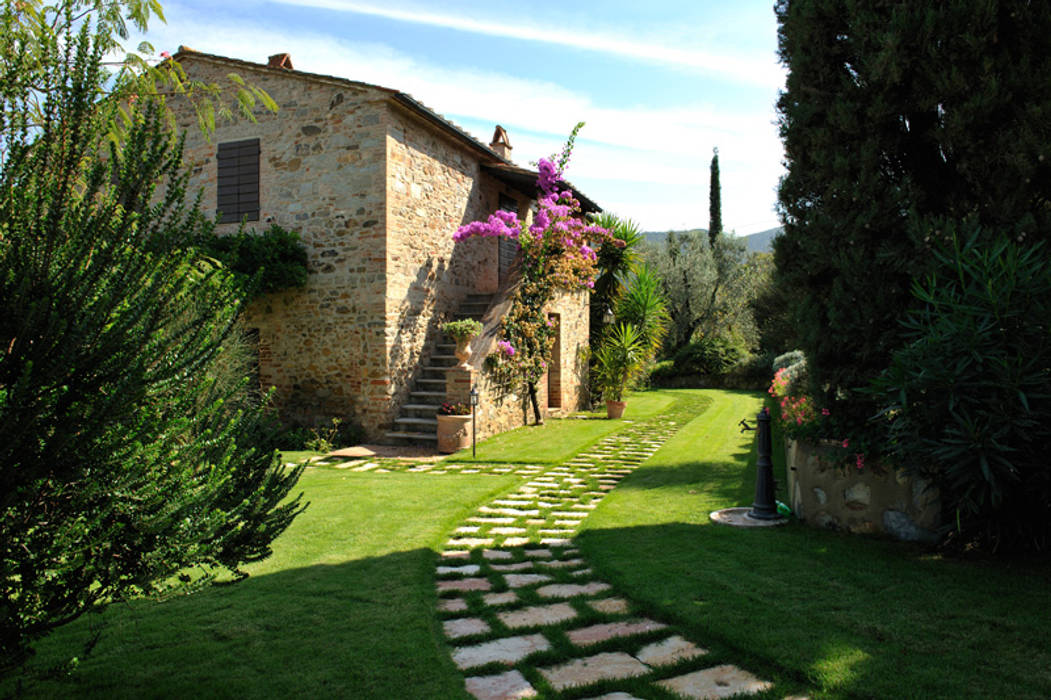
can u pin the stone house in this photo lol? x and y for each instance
(375, 184)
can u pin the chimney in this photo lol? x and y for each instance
(280, 60)
(501, 144)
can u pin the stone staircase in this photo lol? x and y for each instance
(417, 423)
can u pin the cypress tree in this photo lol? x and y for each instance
(715, 206)
(897, 116)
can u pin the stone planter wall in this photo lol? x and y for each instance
(842, 498)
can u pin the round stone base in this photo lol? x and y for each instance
(738, 517)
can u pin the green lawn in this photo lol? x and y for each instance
(345, 607)
(560, 439)
(846, 615)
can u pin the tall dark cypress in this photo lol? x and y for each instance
(896, 117)
(715, 206)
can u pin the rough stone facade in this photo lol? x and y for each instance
(375, 187)
(865, 501)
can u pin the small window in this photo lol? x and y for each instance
(508, 203)
(238, 181)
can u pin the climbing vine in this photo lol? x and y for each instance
(558, 254)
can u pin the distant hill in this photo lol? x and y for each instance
(762, 242)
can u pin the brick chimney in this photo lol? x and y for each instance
(501, 144)
(280, 60)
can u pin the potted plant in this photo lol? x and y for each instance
(463, 332)
(453, 432)
(620, 357)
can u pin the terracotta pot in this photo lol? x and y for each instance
(454, 433)
(463, 352)
(615, 409)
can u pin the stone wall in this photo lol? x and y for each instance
(865, 501)
(322, 174)
(572, 309)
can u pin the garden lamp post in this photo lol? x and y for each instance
(474, 425)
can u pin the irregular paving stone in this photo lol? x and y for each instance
(555, 541)
(521, 580)
(509, 650)
(561, 563)
(515, 541)
(582, 572)
(452, 605)
(495, 554)
(465, 584)
(468, 529)
(615, 696)
(513, 504)
(508, 511)
(538, 615)
(566, 523)
(506, 530)
(719, 682)
(464, 627)
(492, 521)
(538, 553)
(563, 514)
(455, 555)
(568, 590)
(610, 606)
(461, 570)
(594, 634)
(556, 532)
(592, 669)
(469, 542)
(500, 598)
(505, 686)
(536, 521)
(517, 566)
(671, 651)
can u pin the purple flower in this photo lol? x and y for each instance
(506, 348)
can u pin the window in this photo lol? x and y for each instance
(238, 181)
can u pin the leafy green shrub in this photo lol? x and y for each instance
(968, 399)
(264, 262)
(754, 367)
(788, 359)
(619, 358)
(464, 329)
(710, 355)
(665, 369)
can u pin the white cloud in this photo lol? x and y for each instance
(747, 69)
(656, 149)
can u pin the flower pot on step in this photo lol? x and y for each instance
(463, 352)
(615, 409)
(454, 433)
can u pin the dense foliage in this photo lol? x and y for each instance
(715, 205)
(262, 262)
(968, 398)
(126, 453)
(894, 116)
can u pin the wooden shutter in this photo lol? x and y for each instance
(238, 181)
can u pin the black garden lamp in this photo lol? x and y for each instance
(474, 425)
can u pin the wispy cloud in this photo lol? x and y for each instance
(647, 163)
(745, 69)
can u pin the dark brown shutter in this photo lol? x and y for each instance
(238, 181)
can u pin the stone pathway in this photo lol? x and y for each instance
(526, 616)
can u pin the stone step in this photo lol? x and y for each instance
(417, 422)
(428, 396)
(430, 384)
(425, 407)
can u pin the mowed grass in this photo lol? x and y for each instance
(842, 615)
(561, 438)
(344, 607)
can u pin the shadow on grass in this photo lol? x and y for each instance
(846, 615)
(362, 629)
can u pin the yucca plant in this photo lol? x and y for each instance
(619, 358)
(643, 305)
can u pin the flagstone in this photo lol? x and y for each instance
(515, 541)
(555, 541)
(610, 606)
(568, 514)
(538, 615)
(536, 521)
(561, 563)
(718, 682)
(538, 553)
(506, 530)
(500, 598)
(509, 511)
(582, 572)
(555, 532)
(505, 686)
(492, 521)
(464, 627)
(517, 566)
(452, 605)
(615, 696)
(671, 651)
(521, 580)
(584, 506)
(365, 467)
(567, 523)
(461, 570)
(465, 584)
(593, 634)
(608, 666)
(513, 504)
(459, 554)
(568, 590)
(509, 650)
(469, 542)
(468, 529)
(496, 554)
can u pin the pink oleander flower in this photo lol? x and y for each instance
(165, 54)
(825, 412)
(860, 460)
(846, 444)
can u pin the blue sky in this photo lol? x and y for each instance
(658, 83)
